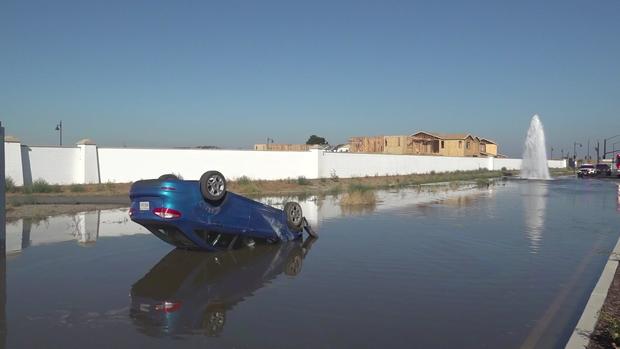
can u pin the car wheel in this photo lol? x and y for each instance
(294, 216)
(213, 186)
(167, 176)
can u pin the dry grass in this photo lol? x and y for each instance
(358, 194)
(73, 189)
(294, 186)
(358, 198)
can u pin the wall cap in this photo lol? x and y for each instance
(86, 141)
(11, 139)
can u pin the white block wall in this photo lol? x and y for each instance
(90, 164)
(55, 164)
(126, 165)
(515, 164)
(13, 162)
(346, 165)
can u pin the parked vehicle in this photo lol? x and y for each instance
(204, 215)
(586, 170)
(188, 292)
(603, 170)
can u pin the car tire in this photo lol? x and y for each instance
(167, 176)
(213, 186)
(294, 216)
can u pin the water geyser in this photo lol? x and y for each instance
(534, 164)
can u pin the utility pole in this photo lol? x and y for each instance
(59, 128)
(3, 326)
(575, 155)
(551, 154)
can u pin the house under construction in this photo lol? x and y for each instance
(426, 143)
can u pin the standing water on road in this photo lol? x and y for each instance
(535, 153)
(509, 266)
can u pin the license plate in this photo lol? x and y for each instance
(144, 206)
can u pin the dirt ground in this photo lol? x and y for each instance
(45, 210)
(610, 315)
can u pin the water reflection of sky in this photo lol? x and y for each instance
(504, 266)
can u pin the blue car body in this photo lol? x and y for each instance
(175, 211)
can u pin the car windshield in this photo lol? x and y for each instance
(586, 166)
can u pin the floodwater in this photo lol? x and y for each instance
(509, 266)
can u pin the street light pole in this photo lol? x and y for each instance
(551, 154)
(575, 155)
(59, 128)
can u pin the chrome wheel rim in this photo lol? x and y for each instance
(215, 185)
(295, 214)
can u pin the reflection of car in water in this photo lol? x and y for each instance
(189, 292)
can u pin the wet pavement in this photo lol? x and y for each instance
(509, 266)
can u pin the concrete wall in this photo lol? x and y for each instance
(125, 165)
(359, 165)
(13, 161)
(87, 163)
(515, 164)
(55, 164)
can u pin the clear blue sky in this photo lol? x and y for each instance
(232, 73)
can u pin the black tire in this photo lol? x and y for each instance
(167, 176)
(213, 186)
(294, 216)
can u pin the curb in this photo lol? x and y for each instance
(581, 334)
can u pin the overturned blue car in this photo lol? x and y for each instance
(204, 215)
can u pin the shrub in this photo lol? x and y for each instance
(504, 168)
(41, 186)
(483, 183)
(355, 198)
(333, 176)
(334, 190)
(109, 186)
(323, 180)
(77, 188)
(9, 185)
(244, 180)
(301, 180)
(358, 187)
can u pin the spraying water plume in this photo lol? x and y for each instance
(534, 164)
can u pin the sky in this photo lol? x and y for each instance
(233, 73)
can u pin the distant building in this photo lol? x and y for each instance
(282, 147)
(426, 143)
